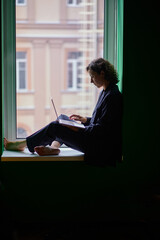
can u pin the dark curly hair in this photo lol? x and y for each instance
(100, 64)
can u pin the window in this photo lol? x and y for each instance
(74, 69)
(21, 71)
(59, 46)
(21, 133)
(21, 2)
(74, 3)
(58, 58)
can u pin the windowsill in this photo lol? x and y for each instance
(66, 154)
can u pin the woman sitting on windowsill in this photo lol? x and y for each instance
(102, 132)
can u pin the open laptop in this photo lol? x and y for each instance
(65, 120)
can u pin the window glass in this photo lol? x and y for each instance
(21, 133)
(21, 2)
(21, 71)
(74, 2)
(54, 44)
(74, 70)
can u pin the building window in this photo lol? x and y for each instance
(21, 71)
(74, 3)
(21, 133)
(21, 2)
(74, 69)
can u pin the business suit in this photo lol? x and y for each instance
(101, 138)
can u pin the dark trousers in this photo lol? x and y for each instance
(55, 131)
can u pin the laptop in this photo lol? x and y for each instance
(65, 120)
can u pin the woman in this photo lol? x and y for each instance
(102, 133)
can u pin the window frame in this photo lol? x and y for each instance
(9, 68)
(18, 60)
(9, 42)
(74, 4)
(74, 62)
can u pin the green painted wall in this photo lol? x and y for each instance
(75, 191)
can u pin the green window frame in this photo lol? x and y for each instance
(113, 51)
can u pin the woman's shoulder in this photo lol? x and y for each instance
(113, 91)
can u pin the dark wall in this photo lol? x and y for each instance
(75, 191)
(1, 92)
(141, 99)
(141, 82)
(141, 86)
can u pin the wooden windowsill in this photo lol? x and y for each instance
(66, 154)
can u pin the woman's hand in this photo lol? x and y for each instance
(78, 118)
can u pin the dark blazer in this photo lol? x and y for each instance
(103, 130)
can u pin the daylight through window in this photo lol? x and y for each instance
(55, 41)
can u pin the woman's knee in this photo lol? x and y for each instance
(52, 127)
(53, 123)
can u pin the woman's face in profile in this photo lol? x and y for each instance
(97, 79)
